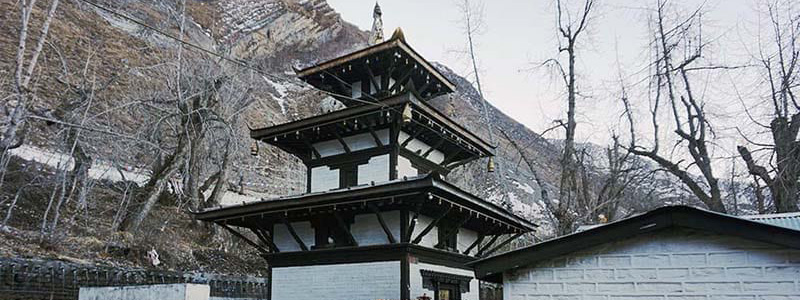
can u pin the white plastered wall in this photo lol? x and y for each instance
(377, 170)
(357, 281)
(404, 168)
(368, 231)
(324, 178)
(465, 238)
(354, 142)
(285, 242)
(664, 265)
(416, 145)
(431, 238)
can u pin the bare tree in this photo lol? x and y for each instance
(570, 27)
(14, 125)
(472, 22)
(677, 47)
(777, 61)
(620, 183)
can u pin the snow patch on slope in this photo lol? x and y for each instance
(100, 169)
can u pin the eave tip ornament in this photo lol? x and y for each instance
(398, 34)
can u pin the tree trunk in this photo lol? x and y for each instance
(155, 186)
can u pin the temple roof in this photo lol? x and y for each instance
(428, 125)
(439, 193)
(393, 56)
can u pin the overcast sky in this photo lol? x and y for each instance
(519, 35)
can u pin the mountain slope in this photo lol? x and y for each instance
(103, 72)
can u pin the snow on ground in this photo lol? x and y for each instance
(524, 186)
(100, 169)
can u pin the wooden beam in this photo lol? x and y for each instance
(455, 228)
(477, 242)
(489, 244)
(375, 136)
(449, 159)
(385, 79)
(410, 138)
(461, 162)
(430, 226)
(244, 238)
(296, 237)
(437, 145)
(423, 88)
(372, 80)
(503, 244)
(411, 224)
(397, 84)
(267, 238)
(341, 141)
(389, 234)
(343, 227)
(314, 153)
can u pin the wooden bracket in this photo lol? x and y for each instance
(386, 230)
(476, 243)
(411, 224)
(296, 237)
(343, 227)
(430, 226)
(244, 238)
(489, 244)
(514, 237)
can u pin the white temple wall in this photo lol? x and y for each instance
(415, 145)
(357, 281)
(354, 142)
(376, 170)
(285, 242)
(430, 239)
(324, 178)
(368, 231)
(404, 168)
(465, 238)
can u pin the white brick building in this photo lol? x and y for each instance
(669, 253)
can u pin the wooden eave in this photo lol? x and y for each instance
(283, 137)
(270, 132)
(429, 186)
(387, 252)
(464, 133)
(395, 42)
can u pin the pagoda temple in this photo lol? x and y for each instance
(378, 219)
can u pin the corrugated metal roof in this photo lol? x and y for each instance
(787, 220)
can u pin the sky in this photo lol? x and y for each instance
(519, 35)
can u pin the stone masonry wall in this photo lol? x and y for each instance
(671, 264)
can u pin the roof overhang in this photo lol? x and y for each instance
(492, 268)
(432, 185)
(296, 137)
(396, 43)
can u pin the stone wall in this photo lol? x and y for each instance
(56, 280)
(671, 264)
